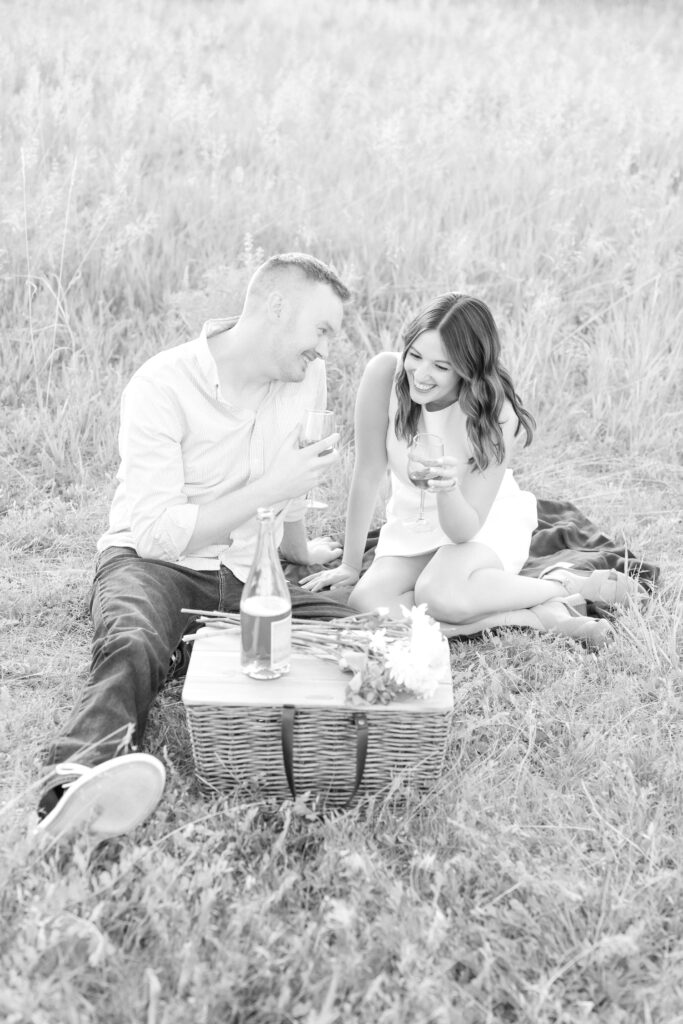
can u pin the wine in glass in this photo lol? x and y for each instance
(318, 423)
(424, 453)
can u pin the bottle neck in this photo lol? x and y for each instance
(265, 541)
(266, 577)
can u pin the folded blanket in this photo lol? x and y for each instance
(565, 534)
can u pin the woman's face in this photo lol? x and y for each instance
(432, 379)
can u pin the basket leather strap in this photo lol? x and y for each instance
(361, 721)
(287, 731)
(287, 735)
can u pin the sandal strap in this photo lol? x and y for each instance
(547, 574)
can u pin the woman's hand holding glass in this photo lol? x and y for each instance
(425, 452)
(446, 475)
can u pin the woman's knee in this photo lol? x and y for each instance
(441, 605)
(448, 584)
(362, 599)
(446, 598)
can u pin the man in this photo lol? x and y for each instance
(209, 432)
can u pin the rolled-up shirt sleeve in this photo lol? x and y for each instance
(162, 520)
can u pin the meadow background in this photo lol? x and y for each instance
(151, 153)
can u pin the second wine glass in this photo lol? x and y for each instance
(424, 453)
(317, 424)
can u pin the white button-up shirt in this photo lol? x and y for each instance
(182, 445)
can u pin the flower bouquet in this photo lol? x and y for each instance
(388, 659)
(399, 667)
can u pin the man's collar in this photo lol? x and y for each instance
(207, 363)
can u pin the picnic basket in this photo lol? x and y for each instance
(298, 734)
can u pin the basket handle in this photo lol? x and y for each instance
(287, 733)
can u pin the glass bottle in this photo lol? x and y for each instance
(266, 608)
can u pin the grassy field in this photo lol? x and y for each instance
(527, 152)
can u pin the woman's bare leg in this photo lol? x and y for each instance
(388, 583)
(466, 585)
(462, 582)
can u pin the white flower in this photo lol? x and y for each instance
(417, 663)
(411, 672)
(378, 642)
(352, 661)
(412, 666)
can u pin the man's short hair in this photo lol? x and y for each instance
(309, 266)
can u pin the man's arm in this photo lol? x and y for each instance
(163, 522)
(293, 472)
(289, 476)
(295, 546)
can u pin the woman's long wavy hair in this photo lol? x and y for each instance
(470, 337)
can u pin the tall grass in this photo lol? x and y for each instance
(530, 153)
(149, 160)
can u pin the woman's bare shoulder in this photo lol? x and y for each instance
(374, 390)
(382, 366)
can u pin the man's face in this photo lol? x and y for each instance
(311, 317)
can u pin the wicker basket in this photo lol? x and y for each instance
(240, 727)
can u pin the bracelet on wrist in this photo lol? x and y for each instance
(353, 568)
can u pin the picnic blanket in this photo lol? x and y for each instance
(563, 534)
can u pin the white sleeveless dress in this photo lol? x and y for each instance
(509, 524)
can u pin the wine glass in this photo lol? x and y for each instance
(424, 452)
(318, 423)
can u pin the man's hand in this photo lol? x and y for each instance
(342, 576)
(295, 547)
(294, 471)
(322, 550)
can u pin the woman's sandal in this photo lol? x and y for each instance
(562, 616)
(559, 616)
(607, 586)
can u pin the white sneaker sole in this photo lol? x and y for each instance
(108, 800)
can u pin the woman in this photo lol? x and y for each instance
(448, 381)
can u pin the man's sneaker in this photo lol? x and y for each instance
(108, 800)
